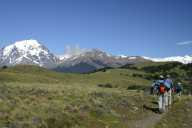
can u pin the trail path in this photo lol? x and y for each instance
(148, 122)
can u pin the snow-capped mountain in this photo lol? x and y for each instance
(95, 59)
(27, 52)
(71, 52)
(75, 59)
(182, 59)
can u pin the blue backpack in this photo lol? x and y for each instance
(168, 83)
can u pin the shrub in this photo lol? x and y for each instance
(136, 87)
(108, 85)
(5, 67)
(129, 66)
(161, 68)
(137, 75)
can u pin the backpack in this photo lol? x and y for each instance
(168, 84)
(178, 89)
(174, 89)
(162, 88)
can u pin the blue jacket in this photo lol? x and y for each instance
(168, 83)
(158, 82)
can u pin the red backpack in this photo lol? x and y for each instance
(162, 89)
(174, 89)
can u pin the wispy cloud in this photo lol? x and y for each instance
(184, 43)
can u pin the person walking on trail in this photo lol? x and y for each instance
(168, 95)
(162, 93)
(178, 89)
(154, 88)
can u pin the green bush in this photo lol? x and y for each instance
(137, 75)
(108, 85)
(136, 87)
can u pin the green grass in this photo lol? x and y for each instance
(32, 74)
(67, 106)
(37, 98)
(33, 97)
(180, 116)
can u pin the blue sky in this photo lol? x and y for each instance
(155, 28)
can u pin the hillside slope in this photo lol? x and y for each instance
(34, 97)
(35, 74)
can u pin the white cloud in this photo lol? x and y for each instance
(184, 43)
(73, 50)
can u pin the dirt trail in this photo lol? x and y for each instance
(148, 122)
(152, 119)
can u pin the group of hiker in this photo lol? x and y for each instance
(164, 87)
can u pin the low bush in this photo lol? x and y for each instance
(108, 85)
(136, 87)
(4, 67)
(137, 75)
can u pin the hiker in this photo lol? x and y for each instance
(168, 95)
(162, 93)
(178, 89)
(154, 88)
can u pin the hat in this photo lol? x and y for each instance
(161, 77)
(167, 75)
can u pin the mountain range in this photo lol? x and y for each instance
(32, 52)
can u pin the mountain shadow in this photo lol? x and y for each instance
(78, 68)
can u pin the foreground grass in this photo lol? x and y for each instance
(60, 106)
(32, 97)
(179, 116)
(37, 98)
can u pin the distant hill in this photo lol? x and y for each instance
(132, 74)
(34, 74)
(179, 72)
